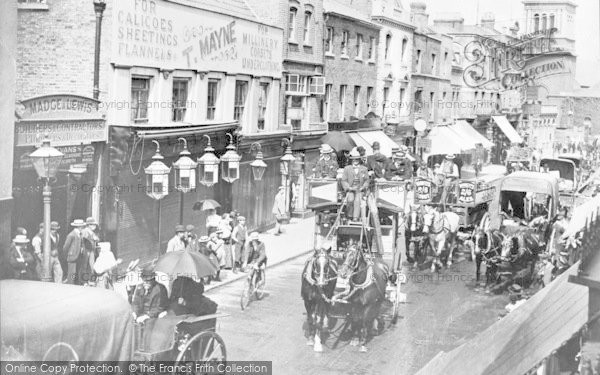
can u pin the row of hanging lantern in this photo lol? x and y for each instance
(207, 167)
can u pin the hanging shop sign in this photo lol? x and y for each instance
(163, 34)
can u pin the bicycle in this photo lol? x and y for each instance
(252, 288)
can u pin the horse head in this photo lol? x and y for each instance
(415, 219)
(510, 246)
(352, 261)
(432, 221)
(480, 240)
(324, 268)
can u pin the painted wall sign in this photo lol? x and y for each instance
(82, 154)
(58, 107)
(157, 33)
(61, 133)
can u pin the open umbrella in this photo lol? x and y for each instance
(205, 205)
(185, 263)
(338, 140)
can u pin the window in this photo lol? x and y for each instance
(431, 99)
(418, 100)
(344, 44)
(180, 92)
(140, 89)
(418, 61)
(342, 101)
(388, 42)
(404, 44)
(327, 103)
(433, 67)
(402, 93)
(445, 58)
(356, 97)
(292, 24)
(317, 85)
(359, 46)
(544, 22)
(371, 48)
(307, 27)
(295, 110)
(211, 98)
(241, 91)
(386, 95)
(262, 104)
(370, 99)
(329, 40)
(536, 22)
(551, 21)
(444, 97)
(295, 84)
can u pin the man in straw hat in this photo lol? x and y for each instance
(177, 242)
(20, 259)
(72, 250)
(327, 165)
(355, 182)
(401, 168)
(37, 242)
(150, 300)
(449, 171)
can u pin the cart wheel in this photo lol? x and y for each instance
(246, 295)
(61, 351)
(206, 346)
(260, 290)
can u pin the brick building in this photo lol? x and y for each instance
(351, 44)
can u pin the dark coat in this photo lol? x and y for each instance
(379, 164)
(258, 255)
(326, 168)
(151, 304)
(73, 246)
(348, 177)
(404, 170)
(22, 263)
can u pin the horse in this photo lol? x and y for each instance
(413, 234)
(319, 278)
(367, 282)
(441, 229)
(486, 245)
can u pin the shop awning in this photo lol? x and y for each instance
(144, 131)
(507, 129)
(366, 139)
(445, 141)
(463, 128)
(522, 339)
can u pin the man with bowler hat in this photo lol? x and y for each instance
(72, 250)
(151, 299)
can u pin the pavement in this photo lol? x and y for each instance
(297, 240)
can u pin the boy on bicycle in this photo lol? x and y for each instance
(256, 256)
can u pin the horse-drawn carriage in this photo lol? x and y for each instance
(566, 171)
(353, 274)
(58, 322)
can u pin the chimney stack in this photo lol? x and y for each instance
(418, 14)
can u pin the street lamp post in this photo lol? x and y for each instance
(157, 182)
(99, 6)
(46, 160)
(230, 162)
(285, 166)
(208, 166)
(185, 175)
(258, 165)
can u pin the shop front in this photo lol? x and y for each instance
(75, 128)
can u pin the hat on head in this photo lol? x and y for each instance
(450, 156)
(148, 273)
(326, 149)
(19, 238)
(203, 239)
(78, 223)
(179, 228)
(189, 227)
(399, 155)
(354, 154)
(436, 165)
(91, 221)
(361, 150)
(54, 225)
(241, 218)
(103, 246)
(253, 236)
(376, 146)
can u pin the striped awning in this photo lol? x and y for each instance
(507, 129)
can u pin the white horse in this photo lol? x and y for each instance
(441, 228)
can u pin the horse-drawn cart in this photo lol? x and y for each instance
(58, 322)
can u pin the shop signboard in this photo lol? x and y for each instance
(166, 35)
(466, 192)
(423, 191)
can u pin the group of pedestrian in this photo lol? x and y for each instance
(81, 260)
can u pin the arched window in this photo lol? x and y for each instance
(552, 21)
(544, 22)
(292, 24)
(404, 44)
(536, 22)
(388, 42)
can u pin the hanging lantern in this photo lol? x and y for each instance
(230, 162)
(157, 176)
(185, 170)
(208, 166)
(258, 165)
(286, 160)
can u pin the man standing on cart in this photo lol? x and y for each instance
(449, 170)
(327, 165)
(355, 182)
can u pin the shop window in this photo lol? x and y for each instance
(211, 99)
(329, 41)
(262, 104)
(140, 89)
(180, 93)
(241, 91)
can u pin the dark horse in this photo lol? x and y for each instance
(367, 282)
(318, 284)
(414, 238)
(486, 245)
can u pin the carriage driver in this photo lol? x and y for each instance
(449, 170)
(256, 255)
(150, 299)
(327, 165)
(355, 182)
